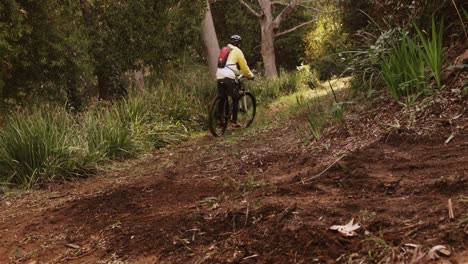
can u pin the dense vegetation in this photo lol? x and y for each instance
(69, 100)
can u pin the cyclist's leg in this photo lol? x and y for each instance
(233, 91)
(221, 91)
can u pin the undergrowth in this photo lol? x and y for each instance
(49, 144)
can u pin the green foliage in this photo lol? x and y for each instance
(54, 50)
(378, 249)
(140, 32)
(230, 17)
(49, 143)
(45, 51)
(41, 147)
(316, 117)
(266, 90)
(184, 95)
(108, 133)
(11, 30)
(322, 109)
(324, 44)
(404, 68)
(432, 52)
(364, 63)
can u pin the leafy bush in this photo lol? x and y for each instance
(364, 63)
(324, 44)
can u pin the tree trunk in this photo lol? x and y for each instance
(103, 86)
(210, 41)
(268, 36)
(269, 25)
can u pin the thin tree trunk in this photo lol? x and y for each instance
(268, 35)
(268, 52)
(210, 41)
(269, 25)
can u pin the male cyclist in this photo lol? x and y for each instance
(226, 75)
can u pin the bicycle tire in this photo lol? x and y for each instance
(217, 123)
(247, 109)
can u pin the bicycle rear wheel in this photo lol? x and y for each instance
(247, 109)
(217, 118)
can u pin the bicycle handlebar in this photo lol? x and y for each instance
(240, 76)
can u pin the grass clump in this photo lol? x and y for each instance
(48, 144)
(41, 147)
(321, 110)
(405, 68)
(266, 90)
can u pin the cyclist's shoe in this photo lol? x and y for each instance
(236, 125)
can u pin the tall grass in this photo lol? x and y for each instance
(322, 111)
(41, 146)
(51, 144)
(266, 90)
(432, 51)
(404, 68)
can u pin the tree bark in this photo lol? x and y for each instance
(269, 25)
(210, 41)
(268, 35)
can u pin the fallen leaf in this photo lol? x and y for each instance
(348, 229)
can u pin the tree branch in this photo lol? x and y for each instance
(250, 9)
(278, 3)
(286, 11)
(295, 28)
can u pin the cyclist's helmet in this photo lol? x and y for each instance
(235, 40)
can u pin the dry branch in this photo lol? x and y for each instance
(295, 28)
(320, 174)
(251, 10)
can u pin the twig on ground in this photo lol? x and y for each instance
(320, 174)
(450, 209)
(449, 139)
(287, 211)
(211, 171)
(249, 257)
(246, 215)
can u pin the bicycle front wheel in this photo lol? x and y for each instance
(247, 109)
(218, 116)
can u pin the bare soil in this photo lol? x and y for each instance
(265, 196)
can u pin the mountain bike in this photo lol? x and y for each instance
(218, 122)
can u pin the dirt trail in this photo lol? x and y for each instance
(265, 197)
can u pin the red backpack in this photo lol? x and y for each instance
(223, 55)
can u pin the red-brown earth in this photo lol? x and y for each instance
(268, 195)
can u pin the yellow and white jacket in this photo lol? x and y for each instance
(234, 61)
